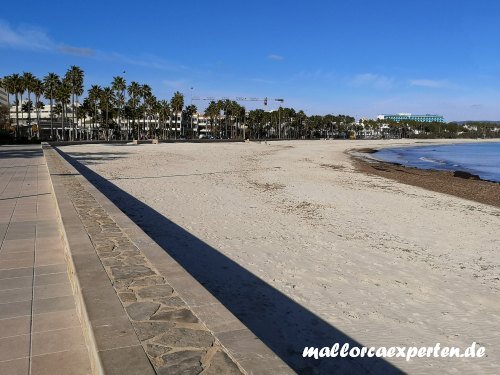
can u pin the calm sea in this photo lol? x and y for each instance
(482, 159)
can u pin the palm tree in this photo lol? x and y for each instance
(74, 78)
(28, 83)
(86, 109)
(145, 93)
(119, 86)
(16, 88)
(134, 94)
(50, 83)
(190, 111)
(94, 96)
(164, 113)
(38, 91)
(106, 102)
(212, 112)
(63, 95)
(150, 104)
(177, 103)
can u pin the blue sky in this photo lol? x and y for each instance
(358, 57)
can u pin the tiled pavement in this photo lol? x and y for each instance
(40, 332)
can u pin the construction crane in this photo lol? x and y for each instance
(241, 99)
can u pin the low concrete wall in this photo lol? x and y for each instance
(94, 288)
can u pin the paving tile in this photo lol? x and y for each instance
(45, 259)
(55, 320)
(49, 243)
(52, 268)
(130, 361)
(20, 233)
(53, 290)
(15, 367)
(16, 282)
(68, 363)
(15, 295)
(244, 345)
(14, 309)
(17, 255)
(10, 264)
(15, 327)
(17, 245)
(47, 342)
(53, 304)
(52, 278)
(16, 272)
(114, 333)
(14, 347)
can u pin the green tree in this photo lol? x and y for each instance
(177, 103)
(106, 101)
(212, 112)
(62, 96)
(38, 92)
(50, 83)
(134, 93)
(28, 80)
(165, 113)
(94, 96)
(74, 80)
(189, 113)
(119, 87)
(16, 88)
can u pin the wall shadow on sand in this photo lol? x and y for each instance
(281, 323)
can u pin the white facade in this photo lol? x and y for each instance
(3, 97)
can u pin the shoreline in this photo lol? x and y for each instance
(457, 183)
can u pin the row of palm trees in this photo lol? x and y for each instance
(121, 111)
(64, 91)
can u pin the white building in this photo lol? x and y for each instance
(3, 97)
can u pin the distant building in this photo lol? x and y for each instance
(409, 117)
(3, 97)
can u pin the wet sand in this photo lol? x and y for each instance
(454, 183)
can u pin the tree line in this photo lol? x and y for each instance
(123, 111)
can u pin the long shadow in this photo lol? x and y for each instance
(20, 151)
(281, 323)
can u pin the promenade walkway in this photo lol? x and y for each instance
(40, 332)
(84, 291)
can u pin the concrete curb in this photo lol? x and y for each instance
(99, 308)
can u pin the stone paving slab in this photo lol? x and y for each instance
(177, 322)
(38, 320)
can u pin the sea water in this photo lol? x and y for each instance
(482, 159)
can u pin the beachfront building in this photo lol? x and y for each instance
(3, 97)
(38, 122)
(409, 117)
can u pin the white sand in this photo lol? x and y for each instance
(385, 263)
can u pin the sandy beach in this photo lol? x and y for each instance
(307, 249)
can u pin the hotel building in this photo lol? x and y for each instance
(409, 117)
(3, 97)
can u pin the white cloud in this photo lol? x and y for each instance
(30, 38)
(77, 51)
(275, 57)
(175, 84)
(26, 37)
(430, 83)
(373, 80)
